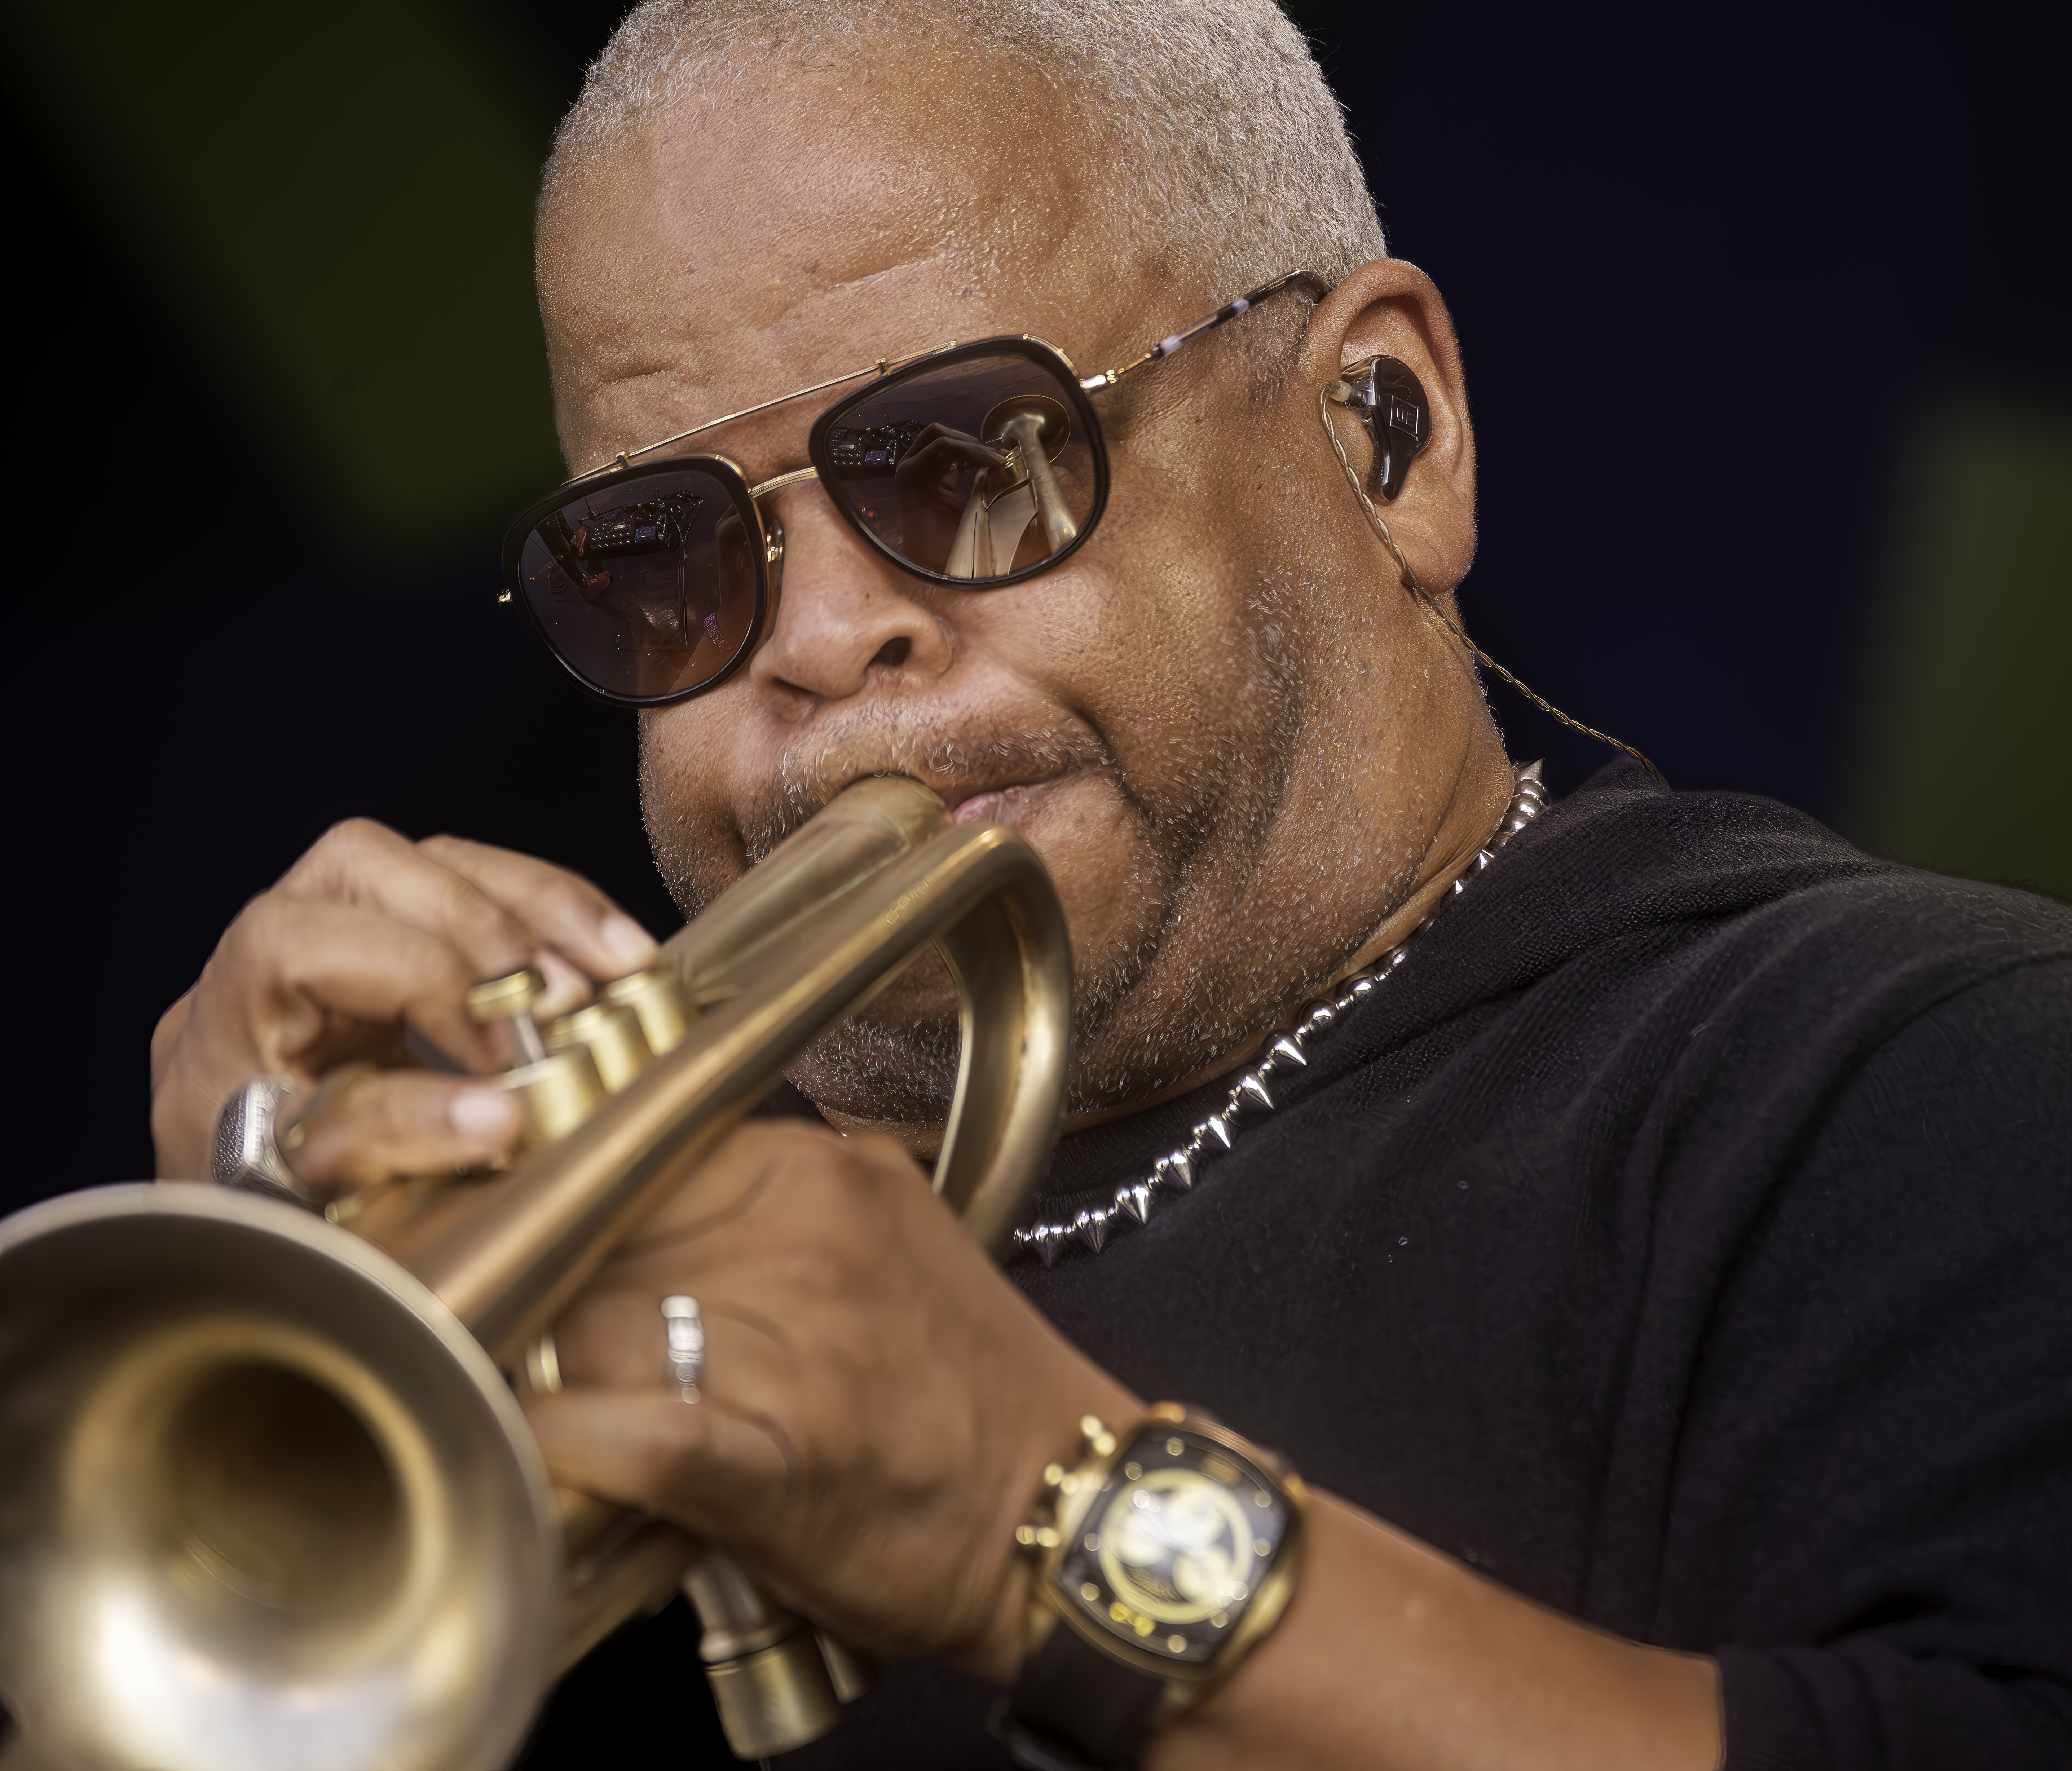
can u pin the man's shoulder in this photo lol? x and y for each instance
(1750, 887)
(1711, 972)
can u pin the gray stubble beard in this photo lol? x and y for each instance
(897, 1061)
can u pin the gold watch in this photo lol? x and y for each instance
(1163, 1556)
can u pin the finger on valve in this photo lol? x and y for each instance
(560, 908)
(359, 1127)
(367, 864)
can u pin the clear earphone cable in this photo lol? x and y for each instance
(1338, 390)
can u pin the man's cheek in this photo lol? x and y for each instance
(696, 839)
(1109, 874)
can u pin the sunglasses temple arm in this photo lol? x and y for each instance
(1230, 311)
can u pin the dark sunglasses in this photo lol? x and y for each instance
(975, 465)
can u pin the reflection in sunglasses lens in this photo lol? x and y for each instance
(974, 469)
(646, 587)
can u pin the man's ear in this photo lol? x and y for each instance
(1388, 308)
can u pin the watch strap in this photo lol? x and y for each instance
(1077, 1709)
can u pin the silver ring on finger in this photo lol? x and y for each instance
(685, 1327)
(247, 1154)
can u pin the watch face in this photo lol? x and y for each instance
(1175, 1545)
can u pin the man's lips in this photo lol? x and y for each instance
(1002, 805)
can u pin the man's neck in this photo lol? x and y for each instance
(1482, 792)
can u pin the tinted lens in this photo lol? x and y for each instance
(645, 584)
(975, 469)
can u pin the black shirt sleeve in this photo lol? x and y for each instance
(1878, 1449)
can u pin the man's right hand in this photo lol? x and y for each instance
(367, 935)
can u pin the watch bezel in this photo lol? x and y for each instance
(1261, 1610)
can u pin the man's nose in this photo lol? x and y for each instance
(846, 616)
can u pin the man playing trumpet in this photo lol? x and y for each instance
(1642, 1224)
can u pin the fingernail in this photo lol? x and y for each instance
(487, 1114)
(629, 944)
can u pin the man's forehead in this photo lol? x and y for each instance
(724, 253)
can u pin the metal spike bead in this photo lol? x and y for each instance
(1216, 1124)
(1136, 1200)
(1048, 1243)
(1177, 1171)
(1289, 1049)
(1092, 1229)
(1253, 1087)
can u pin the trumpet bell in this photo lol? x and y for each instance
(271, 1508)
(266, 1503)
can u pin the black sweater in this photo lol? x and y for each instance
(1682, 1236)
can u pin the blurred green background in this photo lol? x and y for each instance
(1964, 710)
(333, 206)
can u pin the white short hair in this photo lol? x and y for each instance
(1232, 155)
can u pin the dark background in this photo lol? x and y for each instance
(1764, 313)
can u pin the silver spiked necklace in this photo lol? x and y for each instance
(1251, 1097)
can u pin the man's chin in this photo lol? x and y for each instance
(895, 1070)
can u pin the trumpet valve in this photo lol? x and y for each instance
(559, 1092)
(611, 1035)
(509, 1000)
(659, 1004)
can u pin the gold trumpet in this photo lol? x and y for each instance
(267, 1499)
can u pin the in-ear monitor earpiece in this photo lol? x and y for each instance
(1391, 402)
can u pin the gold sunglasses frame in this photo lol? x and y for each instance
(771, 535)
(884, 366)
